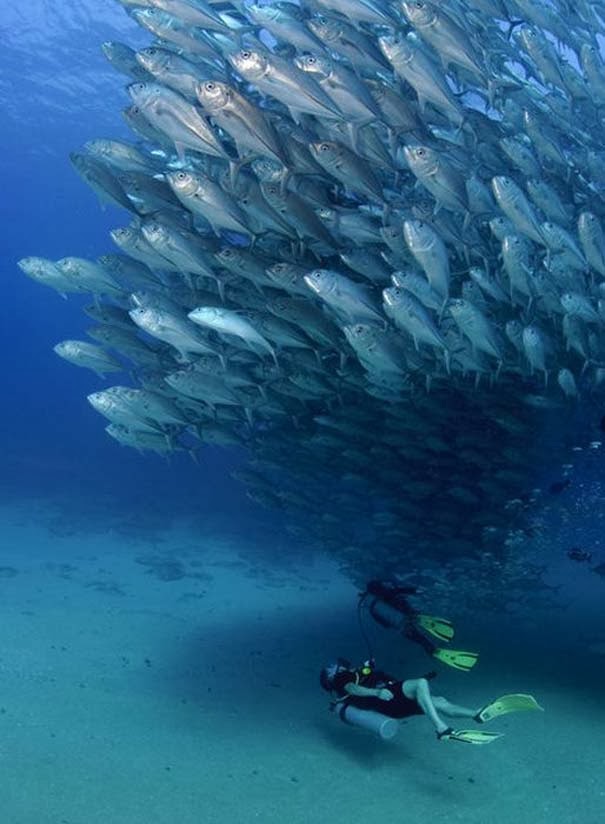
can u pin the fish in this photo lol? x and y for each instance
(378, 351)
(287, 22)
(476, 327)
(411, 316)
(245, 123)
(101, 180)
(429, 250)
(121, 155)
(172, 329)
(412, 64)
(230, 323)
(201, 195)
(47, 273)
(348, 93)
(443, 33)
(174, 71)
(279, 78)
(363, 243)
(179, 120)
(348, 300)
(123, 58)
(82, 353)
(516, 207)
(348, 168)
(339, 36)
(592, 241)
(172, 29)
(443, 181)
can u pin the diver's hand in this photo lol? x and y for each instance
(385, 695)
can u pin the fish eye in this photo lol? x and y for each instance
(324, 147)
(181, 175)
(246, 54)
(311, 60)
(210, 87)
(421, 152)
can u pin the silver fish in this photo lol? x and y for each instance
(423, 75)
(348, 168)
(430, 252)
(350, 301)
(443, 181)
(227, 322)
(248, 126)
(476, 327)
(516, 207)
(201, 195)
(348, 93)
(412, 317)
(592, 240)
(87, 355)
(286, 22)
(442, 32)
(178, 119)
(281, 79)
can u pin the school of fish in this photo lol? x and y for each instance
(365, 243)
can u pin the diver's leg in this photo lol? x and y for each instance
(412, 633)
(446, 707)
(418, 690)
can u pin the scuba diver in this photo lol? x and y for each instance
(388, 605)
(372, 699)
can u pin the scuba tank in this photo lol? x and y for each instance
(388, 605)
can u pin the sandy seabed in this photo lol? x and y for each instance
(174, 681)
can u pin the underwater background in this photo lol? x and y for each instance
(162, 634)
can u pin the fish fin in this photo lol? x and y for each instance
(180, 151)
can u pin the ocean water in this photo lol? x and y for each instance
(162, 634)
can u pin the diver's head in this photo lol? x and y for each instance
(330, 671)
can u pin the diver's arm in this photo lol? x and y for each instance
(368, 692)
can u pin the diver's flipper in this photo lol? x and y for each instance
(516, 702)
(440, 628)
(456, 658)
(469, 736)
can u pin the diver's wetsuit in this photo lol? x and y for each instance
(402, 619)
(398, 707)
(393, 595)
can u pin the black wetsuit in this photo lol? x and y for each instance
(398, 707)
(395, 597)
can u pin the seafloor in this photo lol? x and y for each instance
(172, 679)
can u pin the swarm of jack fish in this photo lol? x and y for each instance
(366, 243)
